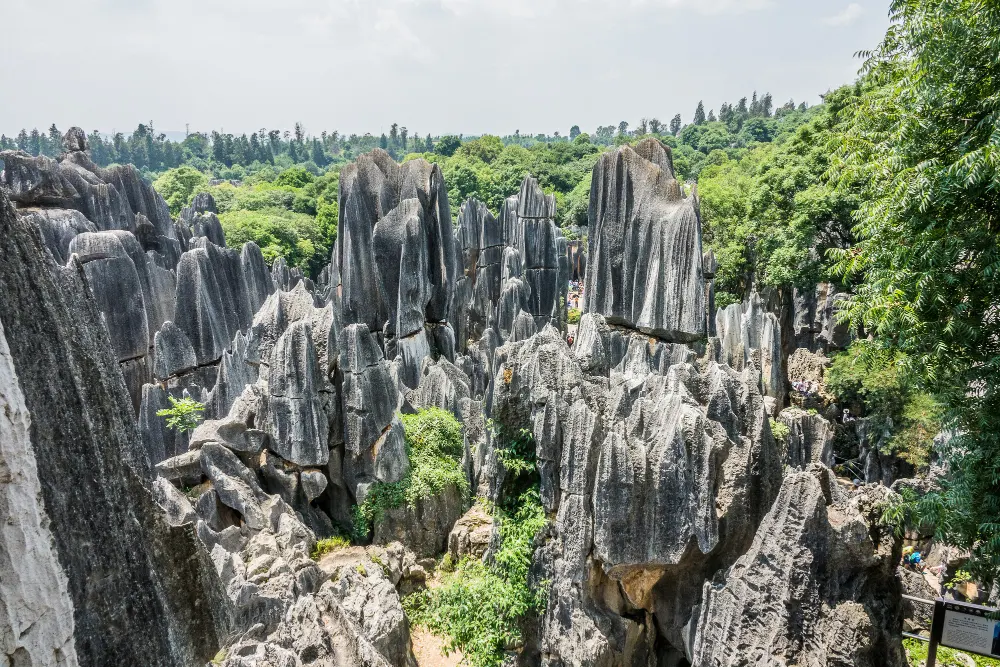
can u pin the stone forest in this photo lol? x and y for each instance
(481, 430)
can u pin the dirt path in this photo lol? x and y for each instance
(429, 650)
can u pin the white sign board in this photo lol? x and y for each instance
(969, 628)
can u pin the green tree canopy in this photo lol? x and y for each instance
(178, 186)
(924, 148)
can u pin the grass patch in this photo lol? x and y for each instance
(328, 545)
(479, 607)
(434, 446)
(916, 656)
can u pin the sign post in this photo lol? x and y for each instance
(966, 627)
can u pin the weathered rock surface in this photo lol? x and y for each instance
(36, 622)
(425, 527)
(816, 587)
(138, 586)
(810, 438)
(748, 332)
(644, 253)
(470, 535)
(620, 454)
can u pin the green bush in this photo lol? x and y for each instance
(573, 316)
(916, 656)
(296, 177)
(183, 415)
(434, 445)
(878, 387)
(779, 430)
(279, 233)
(480, 608)
(178, 186)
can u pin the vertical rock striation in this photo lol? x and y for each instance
(644, 255)
(140, 588)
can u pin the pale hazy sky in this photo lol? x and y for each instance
(438, 66)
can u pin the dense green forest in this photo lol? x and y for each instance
(280, 188)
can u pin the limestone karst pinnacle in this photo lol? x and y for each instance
(668, 498)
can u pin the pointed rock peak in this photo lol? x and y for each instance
(653, 150)
(532, 202)
(75, 140)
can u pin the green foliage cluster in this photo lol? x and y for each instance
(490, 171)
(880, 388)
(916, 656)
(178, 186)
(183, 415)
(289, 213)
(517, 453)
(434, 445)
(480, 607)
(764, 209)
(923, 148)
(573, 315)
(329, 545)
(779, 430)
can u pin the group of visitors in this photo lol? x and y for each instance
(575, 294)
(806, 388)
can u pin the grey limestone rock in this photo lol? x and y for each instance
(470, 536)
(58, 227)
(114, 282)
(158, 596)
(183, 470)
(423, 528)
(644, 254)
(369, 403)
(296, 420)
(36, 621)
(810, 438)
(746, 332)
(172, 352)
(174, 504)
(442, 385)
(370, 189)
(235, 485)
(256, 277)
(228, 432)
(313, 484)
(399, 243)
(197, 310)
(370, 600)
(817, 586)
(202, 219)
